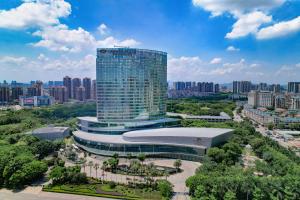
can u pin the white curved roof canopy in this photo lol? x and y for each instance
(194, 137)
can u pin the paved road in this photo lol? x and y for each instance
(45, 196)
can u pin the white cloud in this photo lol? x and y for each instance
(250, 16)
(232, 48)
(103, 30)
(248, 23)
(111, 42)
(254, 65)
(236, 7)
(44, 15)
(86, 63)
(35, 13)
(195, 69)
(280, 29)
(216, 61)
(61, 38)
(229, 68)
(184, 68)
(42, 57)
(12, 60)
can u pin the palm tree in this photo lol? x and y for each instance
(152, 171)
(96, 167)
(104, 167)
(134, 166)
(90, 164)
(166, 173)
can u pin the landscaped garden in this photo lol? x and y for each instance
(137, 167)
(107, 189)
(71, 180)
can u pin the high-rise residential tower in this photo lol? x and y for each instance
(87, 84)
(94, 88)
(76, 82)
(241, 87)
(294, 87)
(68, 84)
(59, 93)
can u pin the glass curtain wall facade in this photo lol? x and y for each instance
(153, 150)
(131, 85)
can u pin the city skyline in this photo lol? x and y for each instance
(219, 42)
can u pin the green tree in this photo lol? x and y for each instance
(230, 195)
(177, 164)
(141, 157)
(165, 188)
(216, 154)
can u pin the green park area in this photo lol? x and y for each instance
(22, 156)
(195, 106)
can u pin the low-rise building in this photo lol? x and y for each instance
(223, 117)
(36, 101)
(51, 133)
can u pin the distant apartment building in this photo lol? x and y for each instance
(193, 89)
(67, 82)
(80, 93)
(87, 84)
(179, 85)
(294, 87)
(265, 99)
(269, 99)
(261, 99)
(295, 103)
(241, 87)
(217, 88)
(94, 88)
(263, 87)
(275, 88)
(4, 94)
(16, 92)
(280, 102)
(36, 101)
(35, 89)
(76, 82)
(265, 117)
(258, 116)
(59, 93)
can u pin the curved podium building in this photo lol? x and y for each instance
(131, 110)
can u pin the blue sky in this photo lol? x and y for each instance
(206, 40)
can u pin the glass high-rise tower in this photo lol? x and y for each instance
(131, 84)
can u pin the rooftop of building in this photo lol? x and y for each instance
(178, 132)
(156, 136)
(50, 129)
(128, 48)
(142, 122)
(222, 115)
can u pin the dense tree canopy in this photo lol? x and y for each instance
(222, 175)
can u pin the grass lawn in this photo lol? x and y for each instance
(104, 190)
